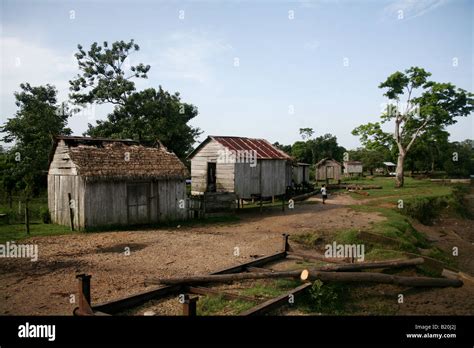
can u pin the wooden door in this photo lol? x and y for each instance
(211, 177)
(138, 203)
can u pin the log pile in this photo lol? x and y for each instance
(347, 272)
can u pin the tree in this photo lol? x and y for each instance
(36, 123)
(147, 116)
(151, 115)
(371, 159)
(306, 133)
(106, 74)
(284, 148)
(429, 106)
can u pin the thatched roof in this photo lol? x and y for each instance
(107, 159)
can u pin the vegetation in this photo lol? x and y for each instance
(147, 116)
(428, 109)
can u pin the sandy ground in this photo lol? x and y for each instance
(44, 287)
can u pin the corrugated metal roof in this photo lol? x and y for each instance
(262, 147)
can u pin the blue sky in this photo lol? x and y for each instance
(318, 69)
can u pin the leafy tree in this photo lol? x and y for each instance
(148, 116)
(284, 148)
(459, 161)
(38, 120)
(306, 133)
(429, 106)
(151, 115)
(371, 159)
(106, 75)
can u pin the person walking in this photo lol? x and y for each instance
(324, 193)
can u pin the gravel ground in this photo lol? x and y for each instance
(45, 287)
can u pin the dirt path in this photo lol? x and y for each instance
(44, 287)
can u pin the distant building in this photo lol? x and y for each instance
(300, 173)
(95, 181)
(389, 168)
(248, 167)
(328, 169)
(352, 168)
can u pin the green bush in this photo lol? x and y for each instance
(45, 215)
(425, 209)
(327, 298)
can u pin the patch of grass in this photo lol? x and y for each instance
(309, 239)
(376, 254)
(217, 305)
(167, 224)
(347, 236)
(17, 232)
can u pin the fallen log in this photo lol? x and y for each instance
(316, 256)
(359, 277)
(302, 274)
(371, 265)
(223, 278)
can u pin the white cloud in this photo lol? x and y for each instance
(312, 45)
(189, 56)
(22, 61)
(411, 8)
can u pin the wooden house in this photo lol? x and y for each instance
(95, 182)
(300, 173)
(245, 166)
(353, 168)
(328, 169)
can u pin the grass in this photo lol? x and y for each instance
(217, 305)
(17, 231)
(412, 187)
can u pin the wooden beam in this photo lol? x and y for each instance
(223, 278)
(316, 256)
(258, 269)
(381, 278)
(199, 290)
(116, 306)
(276, 302)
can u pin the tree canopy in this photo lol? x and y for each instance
(429, 107)
(149, 116)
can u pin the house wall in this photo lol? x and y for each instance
(353, 169)
(300, 174)
(321, 171)
(224, 171)
(268, 178)
(63, 180)
(107, 202)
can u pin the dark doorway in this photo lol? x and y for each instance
(138, 198)
(211, 177)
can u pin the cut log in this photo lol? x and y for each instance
(223, 278)
(371, 265)
(317, 256)
(360, 277)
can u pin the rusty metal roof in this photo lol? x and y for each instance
(263, 148)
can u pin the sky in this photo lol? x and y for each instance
(259, 68)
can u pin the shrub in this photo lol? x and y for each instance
(45, 215)
(327, 298)
(425, 209)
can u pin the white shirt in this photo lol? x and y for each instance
(323, 191)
